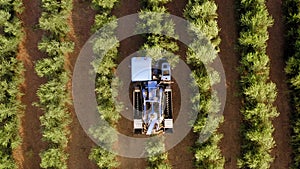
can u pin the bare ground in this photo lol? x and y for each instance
(79, 147)
(230, 144)
(28, 155)
(275, 50)
(181, 156)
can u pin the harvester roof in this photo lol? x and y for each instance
(141, 69)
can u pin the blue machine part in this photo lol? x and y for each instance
(152, 86)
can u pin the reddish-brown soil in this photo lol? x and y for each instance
(176, 7)
(30, 128)
(79, 147)
(275, 50)
(230, 144)
(181, 156)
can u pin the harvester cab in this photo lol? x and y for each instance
(152, 96)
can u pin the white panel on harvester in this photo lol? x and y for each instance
(141, 69)
(137, 124)
(169, 123)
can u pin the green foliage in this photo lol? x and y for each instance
(206, 103)
(55, 16)
(155, 22)
(260, 114)
(6, 161)
(54, 97)
(157, 157)
(161, 41)
(105, 45)
(105, 48)
(157, 2)
(11, 36)
(49, 66)
(201, 53)
(103, 158)
(208, 155)
(106, 84)
(104, 134)
(5, 15)
(156, 52)
(108, 107)
(63, 7)
(54, 124)
(292, 69)
(202, 15)
(254, 22)
(54, 158)
(52, 93)
(104, 4)
(101, 20)
(254, 158)
(55, 23)
(295, 81)
(11, 78)
(54, 47)
(261, 92)
(13, 6)
(258, 92)
(257, 63)
(293, 66)
(257, 21)
(9, 133)
(155, 5)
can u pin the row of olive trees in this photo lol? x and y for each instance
(258, 91)
(11, 78)
(202, 14)
(292, 20)
(105, 47)
(54, 96)
(157, 158)
(160, 41)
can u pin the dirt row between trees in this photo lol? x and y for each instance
(28, 154)
(79, 147)
(230, 144)
(275, 50)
